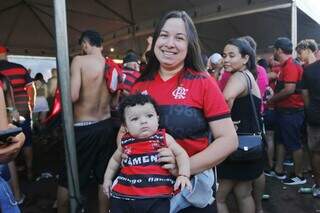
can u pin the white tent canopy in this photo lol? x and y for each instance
(27, 26)
(311, 8)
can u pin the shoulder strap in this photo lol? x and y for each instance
(252, 102)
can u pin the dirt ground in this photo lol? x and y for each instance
(48, 154)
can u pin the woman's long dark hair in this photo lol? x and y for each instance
(193, 59)
(245, 49)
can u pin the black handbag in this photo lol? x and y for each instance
(250, 145)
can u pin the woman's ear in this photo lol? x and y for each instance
(246, 59)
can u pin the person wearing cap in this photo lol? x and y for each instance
(131, 71)
(289, 109)
(24, 98)
(215, 66)
(306, 50)
(131, 61)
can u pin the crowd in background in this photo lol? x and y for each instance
(204, 103)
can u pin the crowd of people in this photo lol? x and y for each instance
(157, 131)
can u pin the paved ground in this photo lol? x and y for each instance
(41, 194)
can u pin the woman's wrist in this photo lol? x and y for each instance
(183, 175)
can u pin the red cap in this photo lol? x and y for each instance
(3, 49)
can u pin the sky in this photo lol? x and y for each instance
(36, 64)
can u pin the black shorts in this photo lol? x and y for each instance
(150, 205)
(95, 144)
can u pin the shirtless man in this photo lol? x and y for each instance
(91, 110)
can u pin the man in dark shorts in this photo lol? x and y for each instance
(306, 50)
(289, 108)
(95, 138)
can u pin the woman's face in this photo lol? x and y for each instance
(172, 44)
(233, 61)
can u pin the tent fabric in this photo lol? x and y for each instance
(27, 26)
(311, 8)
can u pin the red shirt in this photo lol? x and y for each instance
(277, 70)
(291, 73)
(186, 108)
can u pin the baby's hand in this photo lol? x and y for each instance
(181, 182)
(107, 187)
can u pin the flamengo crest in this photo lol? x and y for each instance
(180, 93)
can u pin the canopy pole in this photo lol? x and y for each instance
(294, 26)
(64, 81)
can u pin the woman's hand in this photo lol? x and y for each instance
(167, 158)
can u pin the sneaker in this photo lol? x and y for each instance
(21, 200)
(316, 191)
(265, 197)
(272, 173)
(280, 176)
(296, 180)
(288, 162)
(269, 173)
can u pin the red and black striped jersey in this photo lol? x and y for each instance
(187, 103)
(19, 78)
(129, 78)
(142, 175)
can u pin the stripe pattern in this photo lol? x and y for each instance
(141, 175)
(19, 79)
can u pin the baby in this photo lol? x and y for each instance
(142, 184)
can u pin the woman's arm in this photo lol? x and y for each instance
(236, 86)
(225, 142)
(45, 88)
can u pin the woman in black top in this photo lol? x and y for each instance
(239, 59)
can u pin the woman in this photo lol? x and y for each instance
(41, 107)
(191, 104)
(239, 59)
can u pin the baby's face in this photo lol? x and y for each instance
(141, 121)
